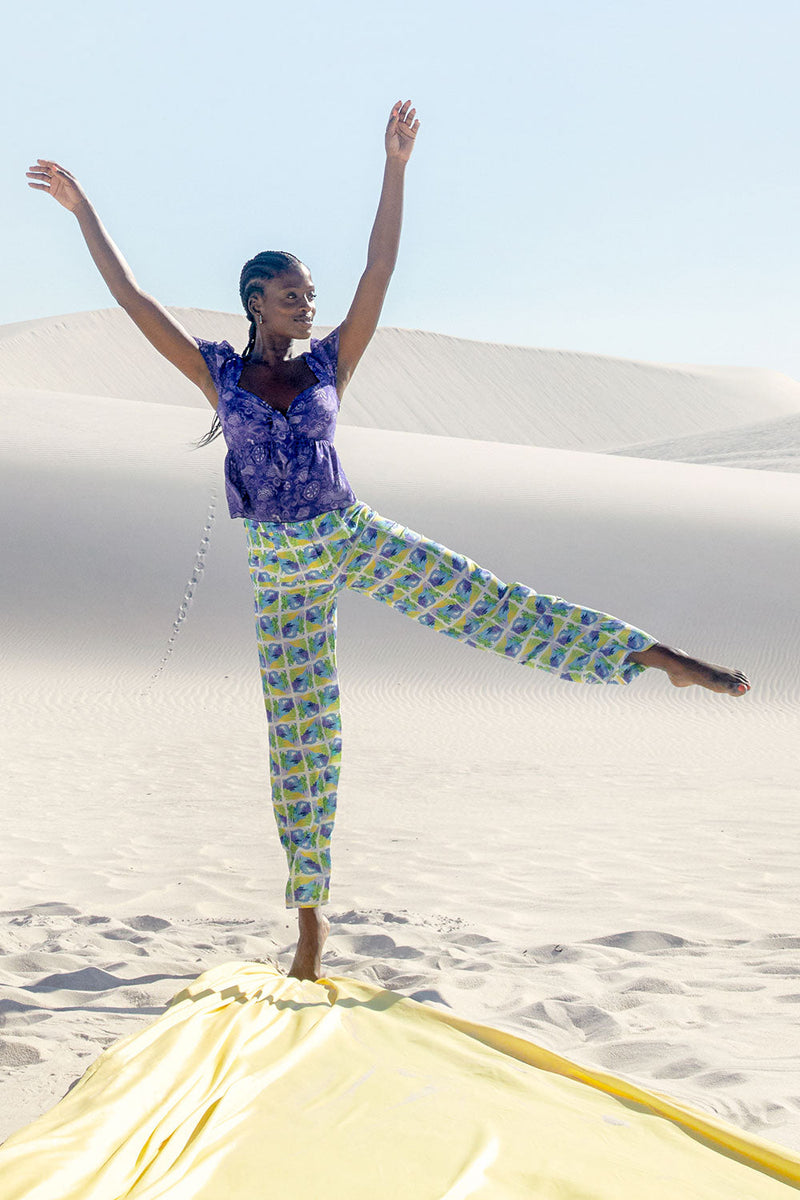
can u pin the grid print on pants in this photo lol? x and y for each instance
(298, 568)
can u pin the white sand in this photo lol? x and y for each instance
(609, 871)
(771, 445)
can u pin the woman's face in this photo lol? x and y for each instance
(288, 304)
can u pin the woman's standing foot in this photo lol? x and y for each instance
(314, 930)
(684, 670)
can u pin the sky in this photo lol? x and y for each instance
(621, 178)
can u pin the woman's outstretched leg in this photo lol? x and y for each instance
(452, 594)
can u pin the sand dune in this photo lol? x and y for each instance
(610, 871)
(417, 382)
(117, 484)
(772, 445)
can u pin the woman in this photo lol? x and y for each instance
(308, 536)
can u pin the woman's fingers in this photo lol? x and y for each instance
(45, 168)
(40, 174)
(401, 110)
(53, 167)
(406, 115)
(401, 120)
(46, 175)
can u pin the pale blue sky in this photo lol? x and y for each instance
(615, 177)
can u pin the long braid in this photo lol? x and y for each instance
(251, 341)
(266, 265)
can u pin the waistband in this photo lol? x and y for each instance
(322, 525)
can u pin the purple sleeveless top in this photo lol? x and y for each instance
(280, 466)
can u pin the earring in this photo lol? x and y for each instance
(259, 318)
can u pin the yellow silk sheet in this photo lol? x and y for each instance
(254, 1085)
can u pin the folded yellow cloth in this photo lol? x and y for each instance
(254, 1085)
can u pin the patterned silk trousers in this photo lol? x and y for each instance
(298, 568)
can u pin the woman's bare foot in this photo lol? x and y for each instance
(684, 670)
(314, 929)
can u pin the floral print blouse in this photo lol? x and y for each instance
(280, 466)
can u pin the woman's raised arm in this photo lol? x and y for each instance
(162, 330)
(361, 321)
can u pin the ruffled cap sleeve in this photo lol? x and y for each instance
(217, 355)
(324, 355)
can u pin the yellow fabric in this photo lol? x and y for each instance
(254, 1085)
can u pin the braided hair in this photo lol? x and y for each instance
(266, 265)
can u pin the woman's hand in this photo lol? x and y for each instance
(401, 131)
(62, 186)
